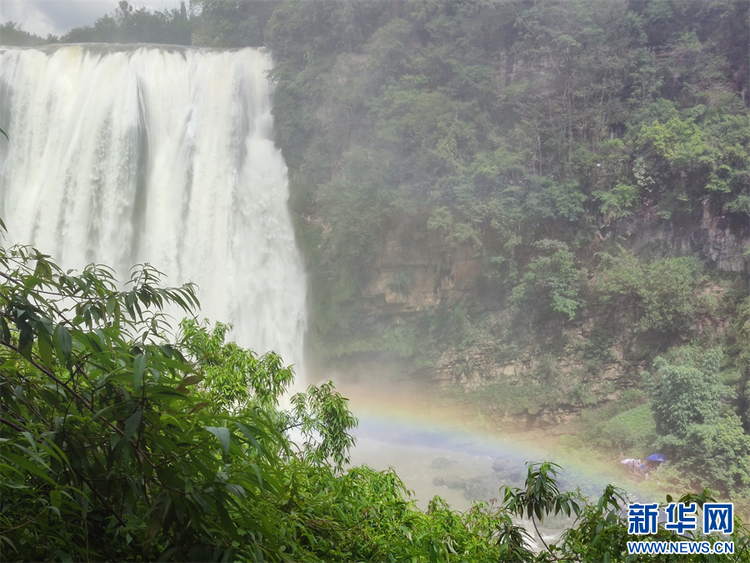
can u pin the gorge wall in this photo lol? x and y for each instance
(551, 372)
(521, 203)
(419, 272)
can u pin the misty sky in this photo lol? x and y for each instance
(59, 16)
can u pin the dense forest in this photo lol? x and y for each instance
(558, 188)
(541, 208)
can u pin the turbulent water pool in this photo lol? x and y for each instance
(436, 451)
(458, 465)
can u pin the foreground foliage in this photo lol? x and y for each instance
(123, 442)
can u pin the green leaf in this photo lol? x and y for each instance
(132, 423)
(55, 498)
(236, 490)
(154, 525)
(5, 330)
(192, 379)
(251, 437)
(110, 307)
(45, 348)
(222, 433)
(29, 467)
(139, 368)
(63, 343)
(258, 474)
(226, 521)
(25, 340)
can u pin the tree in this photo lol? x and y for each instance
(550, 286)
(741, 354)
(234, 378)
(111, 447)
(684, 396)
(541, 496)
(691, 429)
(601, 532)
(656, 297)
(11, 33)
(491, 126)
(130, 25)
(721, 456)
(103, 444)
(231, 23)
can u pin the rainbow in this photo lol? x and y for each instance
(409, 431)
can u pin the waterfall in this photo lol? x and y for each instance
(132, 154)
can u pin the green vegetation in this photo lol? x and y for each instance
(121, 442)
(691, 428)
(631, 431)
(213, 23)
(130, 25)
(656, 298)
(593, 159)
(550, 285)
(11, 34)
(537, 139)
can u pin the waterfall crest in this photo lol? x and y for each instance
(124, 155)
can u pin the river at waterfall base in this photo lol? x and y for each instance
(440, 449)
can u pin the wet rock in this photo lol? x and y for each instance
(484, 487)
(450, 481)
(504, 476)
(441, 463)
(500, 465)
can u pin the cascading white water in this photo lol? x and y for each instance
(124, 155)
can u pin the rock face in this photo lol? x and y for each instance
(482, 487)
(486, 487)
(442, 463)
(724, 243)
(715, 236)
(416, 272)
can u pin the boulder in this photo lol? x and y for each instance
(450, 481)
